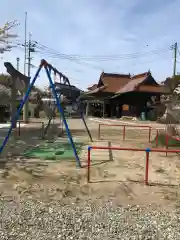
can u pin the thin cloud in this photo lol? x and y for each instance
(100, 27)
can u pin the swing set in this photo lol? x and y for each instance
(48, 68)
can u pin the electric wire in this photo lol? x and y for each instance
(102, 58)
(85, 60)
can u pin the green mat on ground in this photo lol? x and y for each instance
(53, 151)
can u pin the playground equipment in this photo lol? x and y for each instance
(146, 150)
(164, 139)
(49, 107)
(48, 68)
(124, 126)
(35, 122)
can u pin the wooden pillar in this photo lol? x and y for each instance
(13, 99)
(87, 109)
(103, 108)
(112, 108)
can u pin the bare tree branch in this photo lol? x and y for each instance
(8, 26)
(6, 36)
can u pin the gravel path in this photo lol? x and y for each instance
(37, 220)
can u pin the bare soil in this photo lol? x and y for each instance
(115, 175)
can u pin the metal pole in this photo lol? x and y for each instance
(87, 129)
(124, 128)
(147, 150)
(124, 132)
(25, 42)
(157, 138)
(149, 134)
(26, 110)
(58, 101)
(84, 121)
(87, 109)
(121, 125)
(103, 109)
(18, 59)
(99, 129)
(175, 59)
(42, 130)
(147, 168)
(166, 142)
(29, 56)
(157, 150)
(89, 164)
(16, 117)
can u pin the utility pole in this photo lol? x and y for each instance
(31, 48)
(175, 58)
(18, 59)
(26, 105)
(25, 108)
(25, 42)
(29, 56)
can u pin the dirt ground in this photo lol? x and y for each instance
(115, 175)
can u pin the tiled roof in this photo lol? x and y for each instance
(134, 82)
(141, 75)
(121, 83)
(92, 87)
(113, 81)
(96, 90)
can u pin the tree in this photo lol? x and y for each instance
(5, 95)
(5, 80)
(6, 37)
(173, 84)
(171, 116)
(37, 99)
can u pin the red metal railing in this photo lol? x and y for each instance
(124, 129)
(167, 139)
(147, 150)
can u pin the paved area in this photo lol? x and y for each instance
(7, 125)
(128, 122)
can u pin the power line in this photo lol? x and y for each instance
(84, 60)
(54, 53)
(148, 62)
(69, 58)
(49, 52)
(178, 51)
(105, 57)
(31, 48)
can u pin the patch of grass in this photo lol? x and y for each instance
(53, 151)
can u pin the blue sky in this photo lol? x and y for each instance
(98, 27)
